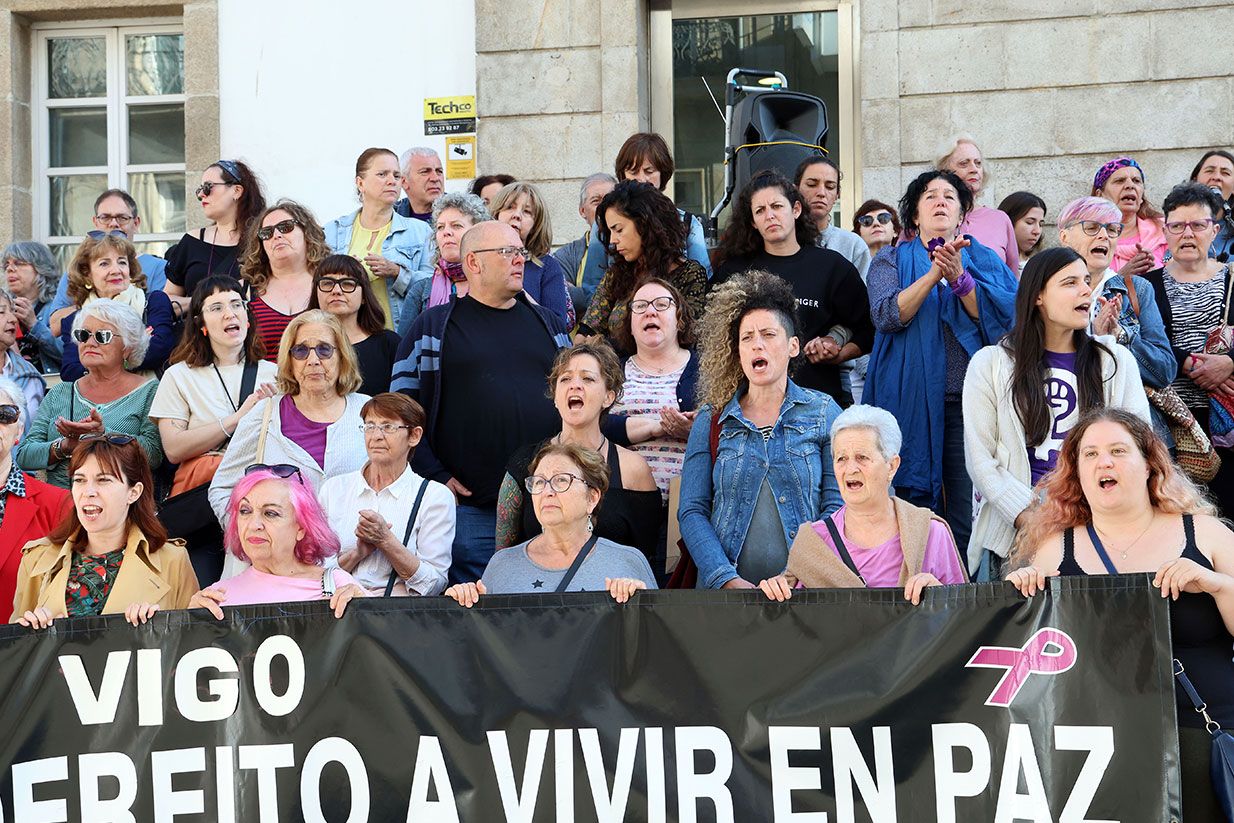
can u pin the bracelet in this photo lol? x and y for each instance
(963, 285)
(56, 451)
(221, 426)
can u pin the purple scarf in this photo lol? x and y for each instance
(445, 275)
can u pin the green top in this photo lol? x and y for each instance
(129, 414)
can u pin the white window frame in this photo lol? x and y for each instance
(116, 103)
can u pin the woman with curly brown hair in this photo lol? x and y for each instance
(278, 265)
(1117, 504)
(646, 237)
(772, 230)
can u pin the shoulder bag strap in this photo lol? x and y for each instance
(1105, 558)
(577, 564)
(713, 439)
(248, 382)
(265, 427)
(411, 524)
(1201, 707)
(1132, 295)
(327, 581)
(843, 549)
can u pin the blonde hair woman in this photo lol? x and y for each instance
(991, 227)
(522, 206)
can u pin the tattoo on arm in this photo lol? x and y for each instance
(509, 513)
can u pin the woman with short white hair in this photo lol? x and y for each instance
(32, 274)
(991, 227)
(111, 338)
(875, 539)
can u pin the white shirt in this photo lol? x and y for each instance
(343, 496)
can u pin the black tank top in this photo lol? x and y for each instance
(1201, 642)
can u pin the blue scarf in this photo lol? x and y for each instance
(908, 370)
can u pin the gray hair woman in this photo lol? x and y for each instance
(453, 214)
(110, 337)
(32, 275)
(875, 539)
(12, 364)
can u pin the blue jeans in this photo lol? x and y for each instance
(956, 504)
(475, 530)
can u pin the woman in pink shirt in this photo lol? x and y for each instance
(1142, 245)
(874, 540)
(275, 523)
(991, 227)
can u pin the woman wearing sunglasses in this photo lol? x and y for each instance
(313, 423)
(106, 268)
(29, 508)
(231, 199)
(341, 286)
(108, 554)
(276, 529)
(878, 225)
(279, 257)
(566, 483)
(109, 397)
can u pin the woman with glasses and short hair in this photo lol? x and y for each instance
(566, 483)
(878, 225)
(108, 554)
(313, 423)
(279, 257)
(108, 397)
(32, 274)
(342, 287)
(231, 198)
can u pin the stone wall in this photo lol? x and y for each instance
(560, 84)
(1050, 89)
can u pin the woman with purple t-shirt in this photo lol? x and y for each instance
(1022, 396)
(875, 539)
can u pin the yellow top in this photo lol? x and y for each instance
(369, 241)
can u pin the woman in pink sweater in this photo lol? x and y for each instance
(1142, 245)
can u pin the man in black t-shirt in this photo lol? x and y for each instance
(478, 365)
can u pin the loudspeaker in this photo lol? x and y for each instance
(770, 117)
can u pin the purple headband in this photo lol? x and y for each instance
(1103, 173)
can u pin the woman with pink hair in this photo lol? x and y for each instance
(275, 523)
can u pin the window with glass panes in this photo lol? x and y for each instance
(110, 114)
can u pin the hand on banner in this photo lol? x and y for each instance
(466, 594)
(776, 588)
(1182, 575)
(209, 599)
(1029, 579)
(138, 613)
(917, 584)
(40, 618)
(623, 588)
(345, 595)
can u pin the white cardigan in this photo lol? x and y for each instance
(995, 447)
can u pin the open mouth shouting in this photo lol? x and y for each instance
(1107, 482)
(91, 512)
(575, 401)
(760, 365)
(854, 484)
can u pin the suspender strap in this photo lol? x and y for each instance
(843, 549)
(577, 564)
(411, 524)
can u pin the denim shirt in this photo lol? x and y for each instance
(597, 257)
(409, 244)
(717, 501)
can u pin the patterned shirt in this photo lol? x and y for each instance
(1196, 309)
(643, 395)
(16, 485)
(90, 579)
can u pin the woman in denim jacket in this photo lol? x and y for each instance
(772, 468)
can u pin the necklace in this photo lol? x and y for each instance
(599, 448)
(649, 369)
(1131, 545)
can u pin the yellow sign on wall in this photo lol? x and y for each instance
(450, 115)
(461, 157)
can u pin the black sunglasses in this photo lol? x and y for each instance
(113, 438)
(282, 227)
(9, 413)
(283, 470)
(205, 188)
(867, 220)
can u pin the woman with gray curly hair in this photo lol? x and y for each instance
(453, 214)
(111, 337)
(758, 462)
(32, 275)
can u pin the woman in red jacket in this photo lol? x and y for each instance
(28, 507)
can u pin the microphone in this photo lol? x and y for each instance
(1226, 203)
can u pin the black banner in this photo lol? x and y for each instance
(679, 706)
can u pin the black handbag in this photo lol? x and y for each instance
(1221, 764)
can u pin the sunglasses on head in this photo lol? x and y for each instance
(99, 234)
(283, 470)
(867, 220)
(101, 336)
(114, 438)
(282, 227)
(9, 413)
(324, 351)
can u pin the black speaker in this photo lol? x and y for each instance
(792, 122)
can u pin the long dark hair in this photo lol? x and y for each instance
(371, 317)
(1026, 345)
(741, 238)
(252, 201)
(194, 347)
(659, 226)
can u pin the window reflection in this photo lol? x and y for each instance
(155, 64)
(76, 67)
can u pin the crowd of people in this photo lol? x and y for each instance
(422, 397)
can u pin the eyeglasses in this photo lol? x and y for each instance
(237, 306)
(384, 428)
(508, 252)
(347, 284)
(98, 234)
(558, 482)
(282, 227)
(205, 188)
(113, 218)
(9, 413)
(101, 336)
(1197, 226)
(660, 304)
(283, 470)
(112, 438)
(867, 220)
(324, 351)
(1093, 227)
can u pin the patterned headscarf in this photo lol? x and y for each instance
(1103, 173)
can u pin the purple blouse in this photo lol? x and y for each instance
(309, 434)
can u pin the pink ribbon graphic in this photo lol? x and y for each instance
(1049, 651)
